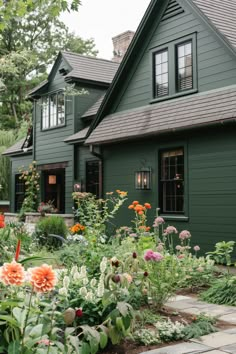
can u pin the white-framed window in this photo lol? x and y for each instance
(53, 110)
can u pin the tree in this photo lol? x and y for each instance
(6, 139)
(30, 38)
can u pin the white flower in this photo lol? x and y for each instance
(103, 265)
(63, 292)
(74, 270)
(89, 296)
(83, 291)
(83, 271)
(93, 282)
(101, 289)
(77, 276)
(66, 282)
(85, 281)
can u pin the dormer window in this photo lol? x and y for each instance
(174, 68)
(53, 111)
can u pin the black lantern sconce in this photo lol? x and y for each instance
(143, 179)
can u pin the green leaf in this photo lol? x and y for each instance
(103, 340)
(9, 319)
(36, 331)
(20, 316)
(75, 342)
(85, 348)
(14, 348)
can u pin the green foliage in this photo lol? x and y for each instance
(52, 225)
(222, 292)
(6, 139)
(146, 336)
(31, 181)
(223, 252)
(78, 45)
(201, 326)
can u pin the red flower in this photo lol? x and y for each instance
(79, 313)
(134, 255)
(17, 250)
(145, 274)
(147, 205)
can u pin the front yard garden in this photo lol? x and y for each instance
(89, 290)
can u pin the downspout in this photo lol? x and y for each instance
(99, 156)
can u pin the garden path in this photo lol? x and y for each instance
(221, 342)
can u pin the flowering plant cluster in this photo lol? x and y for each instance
(30, 178)
(2, 223)
(48, 207)
(77, 229)
(140, 220)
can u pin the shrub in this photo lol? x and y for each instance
(222, 292)
(46, 227)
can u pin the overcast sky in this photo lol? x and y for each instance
(104, 19)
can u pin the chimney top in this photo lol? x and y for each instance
(121, 43)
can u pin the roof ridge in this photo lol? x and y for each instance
(88, 57)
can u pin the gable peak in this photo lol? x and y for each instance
(173, 9)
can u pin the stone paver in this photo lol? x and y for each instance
(182, 348)
(229, 349)
(216, 340)
(222, 342)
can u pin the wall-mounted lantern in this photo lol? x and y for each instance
(143, 178)
(52, 179)
(78, 187)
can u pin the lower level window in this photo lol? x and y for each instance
(19, 192)
(93, 177)
(172, 181)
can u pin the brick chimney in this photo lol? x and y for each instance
(120, 45)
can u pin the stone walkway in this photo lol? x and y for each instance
(221, 342)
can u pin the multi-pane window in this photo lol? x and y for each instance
(185, 66)
(92, 177)
(19, 192)
(172, 181)
(161, 85)
(53, 110)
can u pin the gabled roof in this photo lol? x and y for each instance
(92, 111)
(17, 148)
(216, 106)
(222, 14)
(90, 68)
(79, 136)
(83, 68)
(219, 14)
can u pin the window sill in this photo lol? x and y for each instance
(175, 217)
(176, 95)
(52, 128)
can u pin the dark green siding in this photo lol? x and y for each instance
(82, 155)
(216, 65)
(211, 181)
(16, 163)
(49, 146)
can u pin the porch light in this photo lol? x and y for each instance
(52, 179)
(78, 187)
(143, 179)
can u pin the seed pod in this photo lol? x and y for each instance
(69, 316)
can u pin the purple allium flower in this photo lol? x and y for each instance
(158, 221)
(134, 255)
(171, 230)
(185, 234)
(152, 256)
(196, 248)
(145, 274)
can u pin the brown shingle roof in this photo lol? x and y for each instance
(92, 111)
(90, 68)
(16, 148)
(177, 114)
(222, 14)
(80, 135)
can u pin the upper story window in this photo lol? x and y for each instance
(53, 110)
(174, 67)
(161, 73)
(185, 66)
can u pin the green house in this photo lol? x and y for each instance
(163, 129)
(64, 107)
(166, 128)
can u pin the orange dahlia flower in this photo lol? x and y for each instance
(147, 205)
(135, 202)
(12, 273)
(131, 206)
(43, 278)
